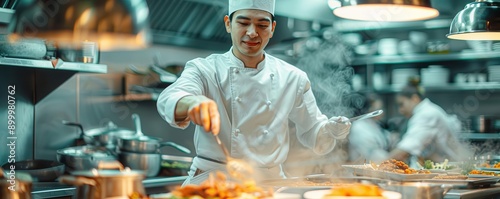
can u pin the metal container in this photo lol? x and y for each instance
(17, 188)
(418, 190)
(106, 182)
(147, 162)
(484, 124)
(140, 143)
(84, 157)
(104, 136)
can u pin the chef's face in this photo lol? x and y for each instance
(250, 32)
(406, 105)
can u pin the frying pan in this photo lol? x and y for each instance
(40, 170)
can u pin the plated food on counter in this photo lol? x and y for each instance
(219, 187)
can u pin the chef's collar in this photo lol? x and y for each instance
(238, 63)
(420, 105)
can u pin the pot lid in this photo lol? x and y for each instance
(127, 172)
(85, 150)
(111, 128)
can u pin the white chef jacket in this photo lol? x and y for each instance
(368, 141)
(431, 134)
(255, 106)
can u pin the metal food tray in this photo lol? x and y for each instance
(367, 170)
(317, 181)
(463, 183)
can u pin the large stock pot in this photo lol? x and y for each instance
(106, 182)
(18, 187)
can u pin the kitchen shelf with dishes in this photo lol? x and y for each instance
(416, 58)
(446, 87)
(46, 64)
(479, 136)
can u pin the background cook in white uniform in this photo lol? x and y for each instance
(431, 134)
(249, 97)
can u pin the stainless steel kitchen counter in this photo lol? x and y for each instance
(486, 193)
(480, 193)
(42, 190)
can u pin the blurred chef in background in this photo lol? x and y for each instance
(247, 97)
(368, 141)
(431, 133)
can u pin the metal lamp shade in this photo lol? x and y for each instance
(113, 24)
(479, 20)
(385, 10)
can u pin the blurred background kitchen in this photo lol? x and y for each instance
(94, 87)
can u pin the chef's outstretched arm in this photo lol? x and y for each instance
(336, 128)
(200, 110)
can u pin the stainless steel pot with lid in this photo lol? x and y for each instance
(15, 185)
(84, 157)
(104, 136)
(109, 180)
(141, 143)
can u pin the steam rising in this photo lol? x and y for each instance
(327, 63)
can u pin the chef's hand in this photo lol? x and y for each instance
(203, 111)
(339, 126)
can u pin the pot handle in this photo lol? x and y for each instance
(110, 165)
(76, 181)
(446, 188)
(176, 146)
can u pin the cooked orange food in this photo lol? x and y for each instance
(497, 165)
(357, 189)
(480, 172)
(397, 166)
(219, 187)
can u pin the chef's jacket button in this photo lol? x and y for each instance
(238, 99)
(266, 132)
(272, 75)
(236, 70)
(236, 132)
(268, 102)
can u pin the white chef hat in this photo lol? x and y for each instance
(265, 5)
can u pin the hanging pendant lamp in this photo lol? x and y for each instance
(479, 20)
(113, 24)
(383, 10)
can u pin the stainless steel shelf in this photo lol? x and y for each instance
(446, 87)
(416, 58)
(480, 136)
(45, 64)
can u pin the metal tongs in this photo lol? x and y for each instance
(366, 116)
(237, 168)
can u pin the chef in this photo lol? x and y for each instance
(431, 133)
(247, 97)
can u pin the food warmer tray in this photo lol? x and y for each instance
(367, 170)
(469, 183)
(315, 181)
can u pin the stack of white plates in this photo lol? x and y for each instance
(435, 75)
(494, 73)
(480, 45)
(401, 76)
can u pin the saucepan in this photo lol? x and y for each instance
(104, 136)
(84, 157)
(109, 180)
(141, 143)
(40, 170)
